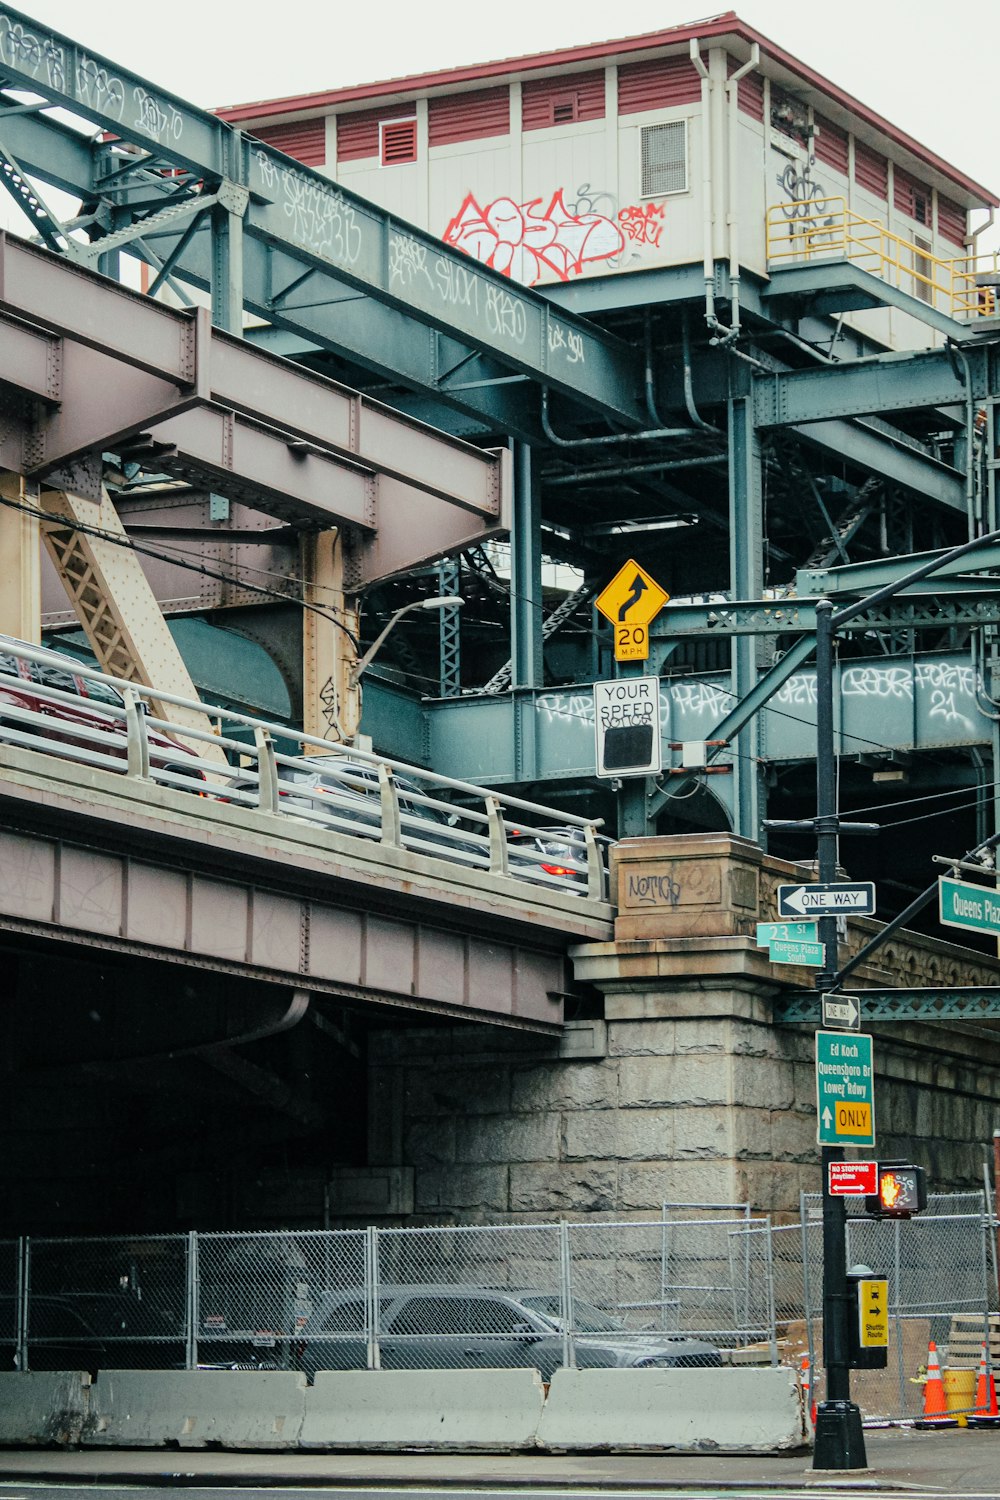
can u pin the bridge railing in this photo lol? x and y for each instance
(51, 702)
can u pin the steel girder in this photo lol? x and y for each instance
(966, 1003)
(328, 229)
(107, 366)
(858, 388)
(973, 602)
(867, 577)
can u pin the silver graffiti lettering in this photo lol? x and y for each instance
(321, 217)
(505, 315)
(163, 122)
(99, 88)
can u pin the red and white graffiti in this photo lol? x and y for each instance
(644, 226)
(523, 242)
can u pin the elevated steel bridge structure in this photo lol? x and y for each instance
(750, 473)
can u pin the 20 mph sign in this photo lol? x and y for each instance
(832, 898)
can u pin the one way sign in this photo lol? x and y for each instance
(833, 897)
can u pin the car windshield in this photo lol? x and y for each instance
(586, 1319)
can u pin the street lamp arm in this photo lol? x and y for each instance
(438, 601)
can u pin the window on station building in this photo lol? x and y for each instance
(664, 159)
(397, 141)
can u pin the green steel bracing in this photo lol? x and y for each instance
(322, 226)
(866, 577)
(449, 579)
(974, 602)
(966, 1003)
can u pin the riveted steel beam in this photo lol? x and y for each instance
(969, 603)
(217, 412)
(322, 225)
(867, 577)
(965, 1003)
(887, 383)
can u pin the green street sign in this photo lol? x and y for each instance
(845, 1090)
(810, 954)
(973, 907)
(786, 932)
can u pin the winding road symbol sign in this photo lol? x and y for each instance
(631, 600)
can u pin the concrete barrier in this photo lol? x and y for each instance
(432, 1409)
(42, 1409)
(235, 1408)
(727, 1411)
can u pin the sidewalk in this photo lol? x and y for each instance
(955, 1462)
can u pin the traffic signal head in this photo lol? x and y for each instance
(902, 1191)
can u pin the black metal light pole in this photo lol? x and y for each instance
(840, 1440)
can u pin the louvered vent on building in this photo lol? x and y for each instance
(664, 158)
(749, 92)
(399, 142)
(871, 170)
(831, 145)
(358, 132)
(560, 101)
(911, 197)
(303, 139)
(660, 83)
(952, 223)
(468, 117)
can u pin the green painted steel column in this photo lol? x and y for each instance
(746, 548)
(227, 238)
(526, 573)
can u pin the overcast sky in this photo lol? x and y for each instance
(932, 70)
(929, 69)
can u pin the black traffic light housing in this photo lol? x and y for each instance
(902, 1191)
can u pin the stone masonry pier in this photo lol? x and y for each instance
(673, 1081)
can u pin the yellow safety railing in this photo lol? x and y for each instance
(826, 229)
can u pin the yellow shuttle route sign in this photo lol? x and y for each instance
(631, 601)
(873, 1314)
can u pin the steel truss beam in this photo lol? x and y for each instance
(974, 603)
(961, 1004)
(365, 247)
(218, 412)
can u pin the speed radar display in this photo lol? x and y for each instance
(627, 726)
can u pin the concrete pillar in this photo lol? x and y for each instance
(331, 708)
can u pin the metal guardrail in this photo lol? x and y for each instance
(826, 228)
(260, 765)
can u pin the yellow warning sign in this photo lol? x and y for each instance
(631, 601)
(853, 1119)
(873, 1314)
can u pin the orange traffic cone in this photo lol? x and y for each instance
(808, 1393)
(936, 1412)
(987, 1413)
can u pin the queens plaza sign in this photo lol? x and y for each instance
(973, 907)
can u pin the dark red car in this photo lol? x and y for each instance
(79, 712)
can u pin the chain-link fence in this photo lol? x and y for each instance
(706, 1284)
(941, 1287)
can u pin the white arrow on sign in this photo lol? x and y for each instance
(835, 897)
(827, 1116)
(841, 1010)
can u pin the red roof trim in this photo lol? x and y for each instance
(726, 24)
